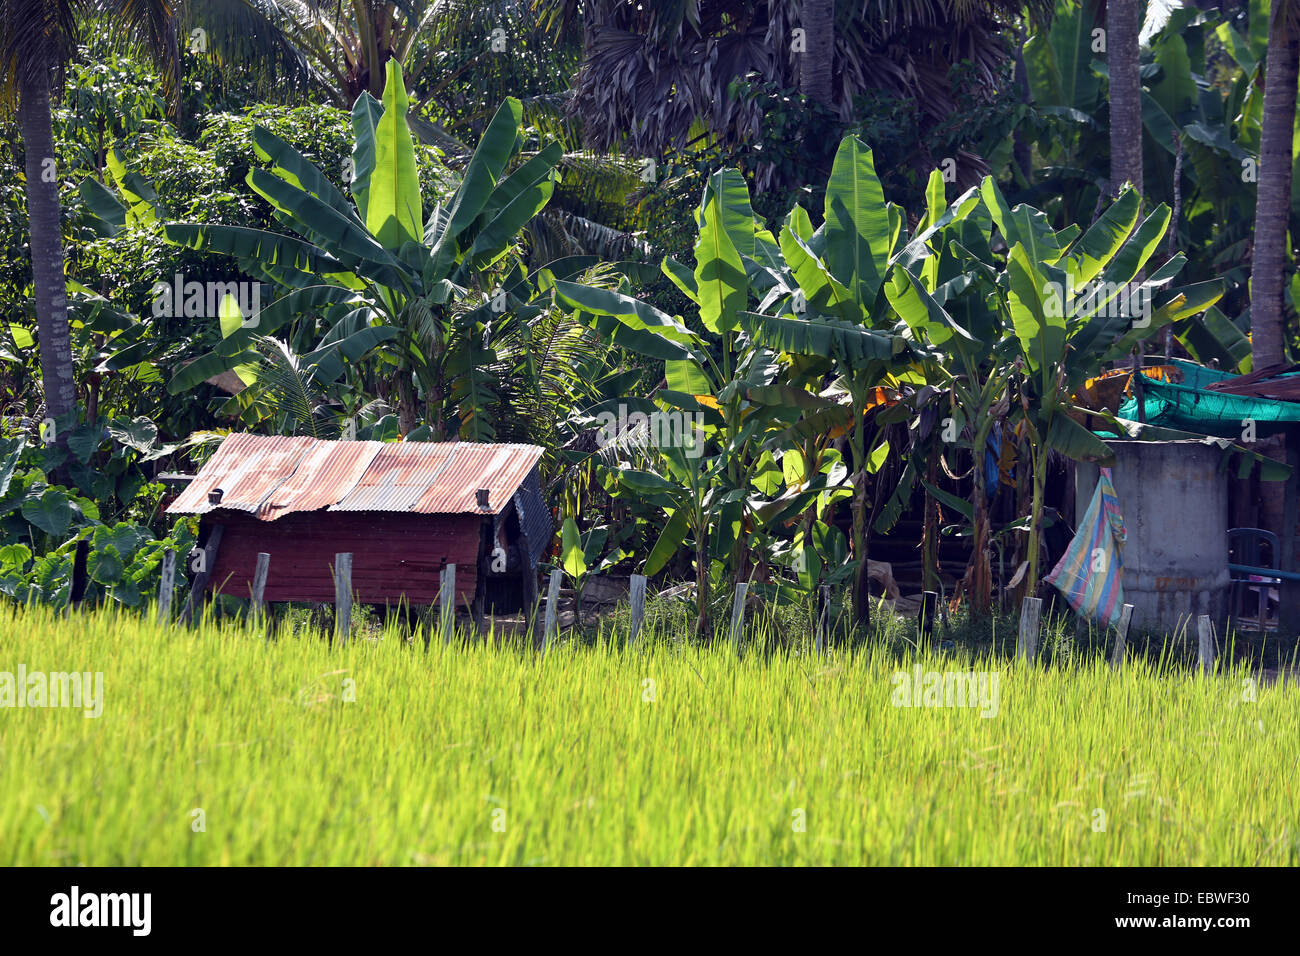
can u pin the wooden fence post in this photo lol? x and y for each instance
(447, 601)
(738, 614)
(167, 587)
(636, 596)
(1027, 641)
(207, 561)
(552, 607)
(1205, 646)
(80, 579)
(256, 609)
(925, 620)
(343, 595)
(1121, 636)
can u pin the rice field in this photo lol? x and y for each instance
(219, 747)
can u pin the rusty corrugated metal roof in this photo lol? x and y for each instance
(271, 476)
(327, 468)
(247, 469)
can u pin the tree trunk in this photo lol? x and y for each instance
(702, 586)
(817, 17)
(1273, 197)
(979, 576)
(1122, 25)
(43, 214)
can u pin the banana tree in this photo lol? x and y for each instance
(429, 299)
(719, 505)
(1066, 304)
(826, 308)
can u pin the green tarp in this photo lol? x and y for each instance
(1191, 407)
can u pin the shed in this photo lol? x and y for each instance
(403, 510)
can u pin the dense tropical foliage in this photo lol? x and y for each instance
(821, 263)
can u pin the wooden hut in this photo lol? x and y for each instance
(404, 511)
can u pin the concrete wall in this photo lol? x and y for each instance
(1175, 504)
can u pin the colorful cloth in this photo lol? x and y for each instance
(1091, 572)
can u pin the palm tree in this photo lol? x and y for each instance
(1273, 201)
(37, 38)
(651, 71)
(1123, 20)
(819, 51)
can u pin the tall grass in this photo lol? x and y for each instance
(221, 747)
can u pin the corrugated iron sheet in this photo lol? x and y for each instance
(499, 468)
(247, 469)
(324, 473)
(271, 476)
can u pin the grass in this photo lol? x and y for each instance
(384, 752)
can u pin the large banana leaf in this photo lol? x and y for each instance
(1037, 312)
(1098, 246)
(729, 188)
(859, 235)
(630, 311)
(1074, 441)
(267, 248)
(819, 287)
(720, 276)
(500, 141)
(366, 112)
(922, 313)
(291, 166)
(847, 341)
(393, 213)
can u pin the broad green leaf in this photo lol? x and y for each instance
(51, 512)
(670, 539)
(628, 310)
(719, 274)
(366, 112)
(393, 213)
(575, 564)
(291, 166)
(1074, 441)
(858, 230)
(1104, 238)
(729, 189)
(1037, 312)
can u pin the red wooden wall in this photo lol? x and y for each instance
(392, 555)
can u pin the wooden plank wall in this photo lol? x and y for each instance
(394, 555)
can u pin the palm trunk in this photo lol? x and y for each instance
(43, 215)
(1122, 24)
(1273, 199)
(817, 17)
